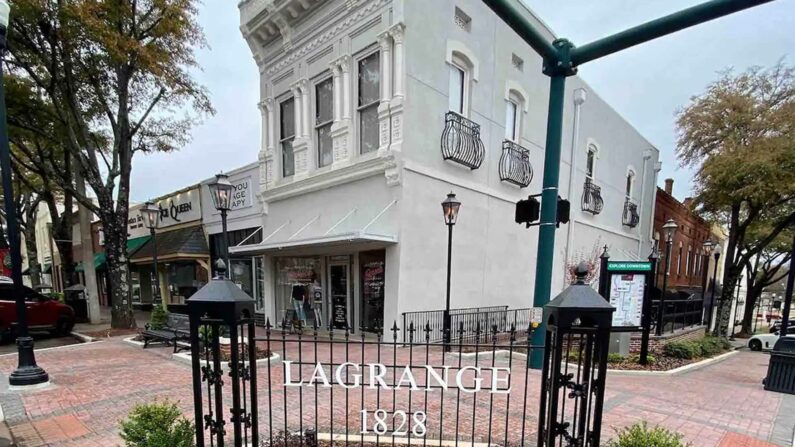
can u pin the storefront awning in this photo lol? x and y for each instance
(99, 258)
(358, 237)
(182, 244)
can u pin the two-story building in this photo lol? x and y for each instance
(373, 110)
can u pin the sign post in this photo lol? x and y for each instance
(627, 286)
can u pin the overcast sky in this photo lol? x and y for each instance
(645, 84)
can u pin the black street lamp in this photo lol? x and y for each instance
(707, 246)
(27, 372)
(221, 193)
(150, 213)
(669, 229)
(716, 255)
(450, 208)
(736, 306)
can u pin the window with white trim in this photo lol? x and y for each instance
(630, 183)
(513, 116)
(369, 78)
(287, 135)
(324, 116)
(590, 163)
(457, 89)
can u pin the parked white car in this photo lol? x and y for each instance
(764, 342)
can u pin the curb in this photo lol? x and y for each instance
(82, 337)
(185, 358)
(6, 438)
(675, 371)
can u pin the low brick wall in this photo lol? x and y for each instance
(656, 343)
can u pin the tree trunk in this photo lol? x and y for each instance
(751, 297)
(115, 228)
(34, 268)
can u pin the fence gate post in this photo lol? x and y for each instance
(222, 333)
(575, 364)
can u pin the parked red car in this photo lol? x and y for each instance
(44, 313)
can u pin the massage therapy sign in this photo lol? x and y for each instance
(467, 379)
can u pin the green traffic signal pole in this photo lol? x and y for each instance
(561, 59)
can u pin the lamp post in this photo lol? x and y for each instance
(27, 372)
(707, 245)
(150, 213)
(716, 255)
(736, 306)
(669, 229)
(221, 193)
(450, 208)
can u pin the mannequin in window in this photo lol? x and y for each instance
(297, 299)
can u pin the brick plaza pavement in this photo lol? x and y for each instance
(95, 385)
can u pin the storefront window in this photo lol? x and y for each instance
(372, 276)
(299, 293)
(241, 275)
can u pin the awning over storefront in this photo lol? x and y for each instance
(316, 242)
(182, 244)
(132, 247)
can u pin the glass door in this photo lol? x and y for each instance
(372, 271)
(339, 294)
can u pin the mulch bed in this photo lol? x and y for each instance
(661, 363)
(225, 356)
(105, 333)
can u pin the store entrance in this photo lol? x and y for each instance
(339, 293)
(372, 265)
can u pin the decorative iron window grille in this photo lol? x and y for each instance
(515, 164)
(461, 141)
(631, 216)
(592, 198)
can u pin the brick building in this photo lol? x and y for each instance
(689, 263)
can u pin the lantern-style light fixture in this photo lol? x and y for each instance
(150, 213)
(450, 208)
(708, 246)
(670, 228)
(221, 192)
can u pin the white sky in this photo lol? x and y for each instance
(645, 84)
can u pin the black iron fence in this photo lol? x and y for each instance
(468, 320)
(677, 314)
(592, 201)
(515, 164)
(630, 218)
(461, 141)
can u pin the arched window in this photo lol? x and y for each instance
(590, 163)
(514, 106)
(630, 184)
(460, 79)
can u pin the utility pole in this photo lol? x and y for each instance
(87, 251)
(788, 293)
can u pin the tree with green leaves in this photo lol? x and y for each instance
(118, 76)
(739, 136)
(40, 162)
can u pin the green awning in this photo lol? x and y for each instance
(132, 246)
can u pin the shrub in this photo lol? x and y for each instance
(615, 357)
(158, 424)
(682, 349)
(159, 317)
(639, 435)
(713, 345)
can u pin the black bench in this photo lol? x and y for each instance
(176, 332)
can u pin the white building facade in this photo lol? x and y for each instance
(374, 110)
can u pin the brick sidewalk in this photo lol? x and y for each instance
(95, 385)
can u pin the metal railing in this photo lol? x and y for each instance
(469, 323)
(677, 314)
(461, 141)
(631, 218)
(515, 164)
(592, 198)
